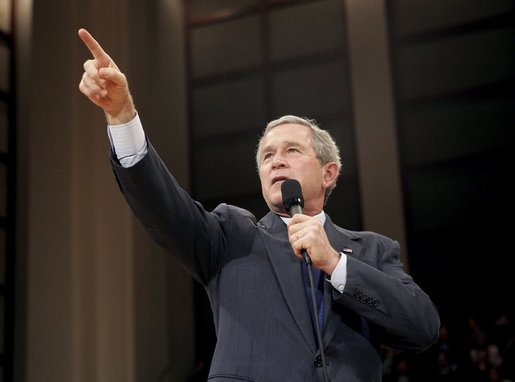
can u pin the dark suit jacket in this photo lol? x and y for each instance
(255, 286)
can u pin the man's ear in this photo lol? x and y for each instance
(331, 172)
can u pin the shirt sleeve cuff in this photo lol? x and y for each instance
(128, 141)
(339, 276)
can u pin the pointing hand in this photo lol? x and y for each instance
(104, 84)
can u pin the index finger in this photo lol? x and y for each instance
(299, 218)
(94, 47)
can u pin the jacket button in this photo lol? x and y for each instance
(318, 361)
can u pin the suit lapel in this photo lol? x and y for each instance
(288, 273)
(342, 242)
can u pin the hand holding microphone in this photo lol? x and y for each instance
(306, 234)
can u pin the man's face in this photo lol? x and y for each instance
(287, 153)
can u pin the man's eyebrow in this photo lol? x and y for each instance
(299, 143)
(265, 149)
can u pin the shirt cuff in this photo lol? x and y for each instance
(339, 276)
(128, 141)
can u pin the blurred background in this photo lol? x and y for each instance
(419, 95)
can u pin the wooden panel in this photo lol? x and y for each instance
(201, 8)
(420, 16)
(227, 46)
(3, 253)
(455, 63)
(3, 190)
(228, 107)
(462, 194)
(226, 168)
(5, 57)
(4, 127)
(5, 16)
(313, 90)
(2, 326)
(443, 131)
(306, 29)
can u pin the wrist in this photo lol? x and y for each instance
(332, 262)
(124, 115)
(122, 118)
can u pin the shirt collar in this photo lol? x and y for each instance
(320, 216)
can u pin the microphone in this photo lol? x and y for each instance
(293, 203)
(292, 196)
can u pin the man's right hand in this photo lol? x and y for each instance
(104, 84)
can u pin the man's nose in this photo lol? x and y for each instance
(279, 161)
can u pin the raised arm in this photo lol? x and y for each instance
(104, 84)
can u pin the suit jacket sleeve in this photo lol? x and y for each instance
(379, 290)
(172, 218)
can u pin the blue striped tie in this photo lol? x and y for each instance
(318, 281)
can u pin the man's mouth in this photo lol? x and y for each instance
(279, 179)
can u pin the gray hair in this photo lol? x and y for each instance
(323, 143)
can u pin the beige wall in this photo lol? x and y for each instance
(101, 299)
(374, 120)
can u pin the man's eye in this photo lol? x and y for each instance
(293, 150)
(267, 156)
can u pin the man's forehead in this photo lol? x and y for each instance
(286, 142)
(288, 132)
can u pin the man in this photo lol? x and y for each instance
(252, 270)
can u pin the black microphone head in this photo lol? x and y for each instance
(292, 194)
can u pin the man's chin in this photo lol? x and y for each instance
(278, 208)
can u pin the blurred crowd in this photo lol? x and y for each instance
(472, 350)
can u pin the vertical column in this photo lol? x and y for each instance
(378, 162)
(80, 313)
(102, 236)
(104, 303)
(23, 19)
(164, 305)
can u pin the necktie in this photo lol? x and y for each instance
(318, 282)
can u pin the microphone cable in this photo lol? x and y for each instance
(309, 265)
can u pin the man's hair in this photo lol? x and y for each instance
(322, 142)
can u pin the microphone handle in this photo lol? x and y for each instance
(297, 209)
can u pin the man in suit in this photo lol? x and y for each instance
(253, 271)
